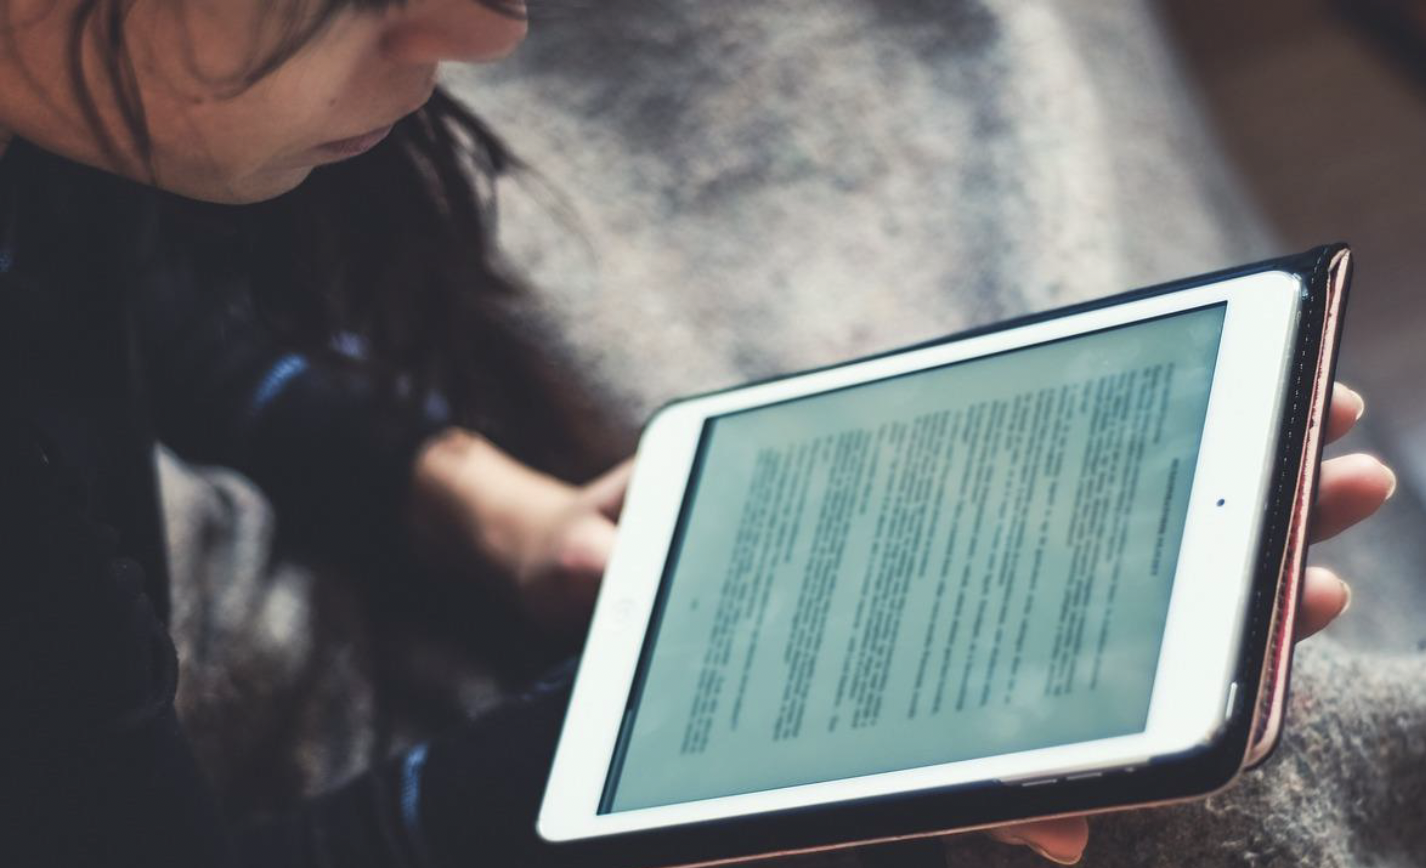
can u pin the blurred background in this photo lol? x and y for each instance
(1320, 107)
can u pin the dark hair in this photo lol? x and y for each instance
(275, 39)
(395, 247)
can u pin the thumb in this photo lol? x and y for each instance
(1061, 840)
(606, 492)
(589, 545)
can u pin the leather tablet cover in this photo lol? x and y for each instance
(1314, 374)
(1253, 728)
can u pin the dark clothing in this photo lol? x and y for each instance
(99, 338)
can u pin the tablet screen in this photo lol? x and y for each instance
(960, 562)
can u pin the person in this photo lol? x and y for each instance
(263, 233)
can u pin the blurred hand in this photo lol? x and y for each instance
(548, 541)
(1352, 487)
(559, 571)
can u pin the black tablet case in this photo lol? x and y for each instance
(1254, 726)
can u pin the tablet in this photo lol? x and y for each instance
(1022, 560)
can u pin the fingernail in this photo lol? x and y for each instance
(1392, 490)
(1361, 402)
(1346, 592)
(1058, 860)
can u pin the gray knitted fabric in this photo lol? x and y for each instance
(292, 680)
(745, 188)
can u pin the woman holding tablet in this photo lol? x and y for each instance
(119, 120)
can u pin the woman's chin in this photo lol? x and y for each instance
(247, 190)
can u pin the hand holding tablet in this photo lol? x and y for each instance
(1353, 487)
(1031, 571)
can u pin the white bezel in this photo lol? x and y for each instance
(1200, 644)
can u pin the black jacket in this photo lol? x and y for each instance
(101, 343)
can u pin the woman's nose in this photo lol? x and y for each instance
(468, 31)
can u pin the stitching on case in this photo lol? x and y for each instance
(1285, 476)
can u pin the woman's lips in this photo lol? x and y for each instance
(356, 144)
(343, 148)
